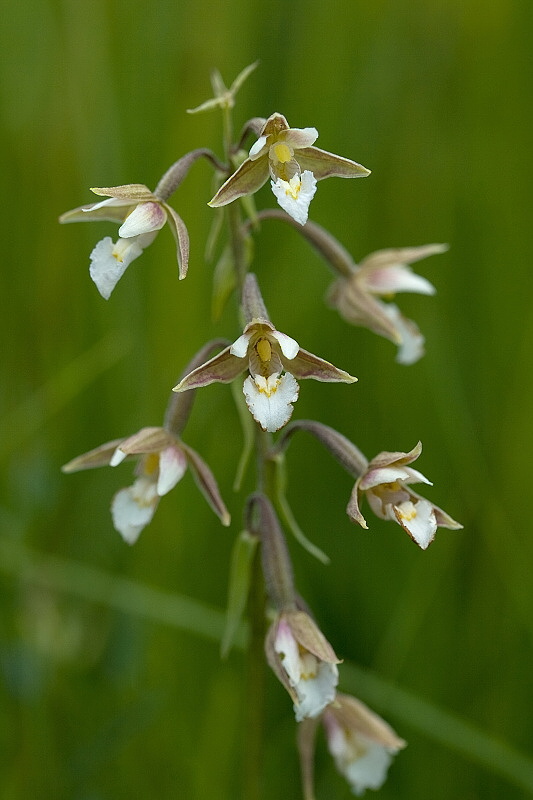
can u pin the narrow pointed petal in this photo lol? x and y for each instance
(309, 636)
(271, 410)
(396, 278)
(95, 211)
(307, 365)
(401, 255)
(181, 237)
(327, 165)
(250, 176)
(358, 307)
(223, 368)
(147, 440)
(242, 76)
(390, 474)
(172, 467)
(294, 196)
(131, 192)
(99, 457)
(353, 510)
(385, 458)
(206, 482)
(133, 508)
(144, 218)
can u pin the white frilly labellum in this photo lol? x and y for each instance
(133, 508)
(313, 680)
(294, 196)
(363, 763)
(271, 404)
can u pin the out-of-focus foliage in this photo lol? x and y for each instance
(99, 703)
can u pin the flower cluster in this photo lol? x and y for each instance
(272, 363)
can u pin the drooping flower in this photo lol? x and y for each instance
(163, 460)
(142, 214)
(274, 362)
(304, 661)
(357, 296)
(361, 743)
(294, 165)
(385, 483)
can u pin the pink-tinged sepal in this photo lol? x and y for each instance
(145, 218)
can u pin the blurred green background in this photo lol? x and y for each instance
(104, 694)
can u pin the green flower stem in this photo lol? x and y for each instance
(255, 687)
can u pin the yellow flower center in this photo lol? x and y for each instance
(268, 386)
(150, 463)
(282, 152)
(264, 350)
(293, 187)
(407, 511)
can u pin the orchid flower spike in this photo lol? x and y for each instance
(385, 483)
(361, 743)
(356, 296)
(273, 361)
(162, 461)
(304, 661)
(294, 165)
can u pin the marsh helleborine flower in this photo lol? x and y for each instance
(294, 165)
(274, 362)
(163, 460)
(304, 661)
(361, 743)
(383, 274)
(142, 215)
(385, 483)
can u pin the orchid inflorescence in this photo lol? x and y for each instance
(272, 363)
